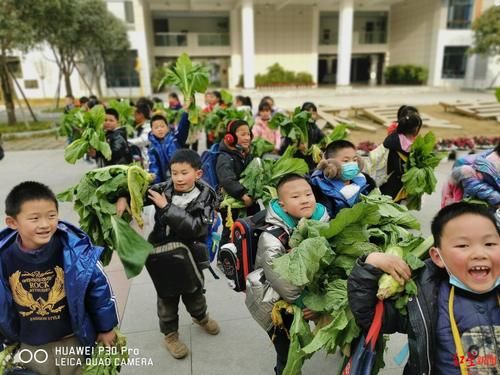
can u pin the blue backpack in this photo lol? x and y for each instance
(208, 164)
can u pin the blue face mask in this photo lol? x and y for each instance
(349, 170)
(455, 281)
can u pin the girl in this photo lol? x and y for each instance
(243, 103)
(262, 130)
(173, 101)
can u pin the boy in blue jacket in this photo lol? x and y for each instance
(163, 144)
(338, 182)
(453, 323)
(53, 291)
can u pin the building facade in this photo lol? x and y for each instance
(337, 42)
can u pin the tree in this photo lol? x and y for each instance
(487, 33)
(15, 34)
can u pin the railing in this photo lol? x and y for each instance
(372, 37)
(192, 39)
(331, 41)
(171, 39)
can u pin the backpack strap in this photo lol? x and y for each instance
(279, 233)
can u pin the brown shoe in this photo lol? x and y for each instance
(209, 325)
(175, 346)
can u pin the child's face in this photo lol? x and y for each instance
(36, 223)
(297, 199)
(346, 155)
(314, 115)
(110, 123)
(244, 137)
(184, 176)
(139, 117)
(470, 247)
(265, 114)
(172, 101)
(159, 129)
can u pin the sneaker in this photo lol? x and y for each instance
(209, 325)
(175, 346)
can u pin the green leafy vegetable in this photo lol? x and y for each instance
(94, 200)
(189, 78)
(108, 361)
(293, 127)
(260, 146)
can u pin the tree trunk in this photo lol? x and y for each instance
(24, 96)
(67, 81)
(7, 91)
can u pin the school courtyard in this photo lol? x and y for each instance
(242, 347)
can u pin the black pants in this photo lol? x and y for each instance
(168, 309)
(281, 343)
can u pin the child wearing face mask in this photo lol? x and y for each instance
(398, 143)
(453, 323)
(261, 128)
(338, 182)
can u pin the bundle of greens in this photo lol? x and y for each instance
(189, 78)
(338, 133)
(173, 116)
(419, 176)
(90, 124)
(294, 126)
(322, 257)
(94, 200)
(7, 358)
(217, 120)
(260, 146)
(107, 360)
(68, 125)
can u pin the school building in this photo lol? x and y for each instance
(338, 42)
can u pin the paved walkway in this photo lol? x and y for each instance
(242, 347)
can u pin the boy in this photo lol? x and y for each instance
(265, 287)
(54, 292)
(184, 206)
(338, 181)
(142, 114)
(163, 144)
(463, 272)
(117, 140)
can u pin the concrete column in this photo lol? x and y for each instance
(373, 69)
(235, 36)
(346, 16)
(142, 16)
(248, 41)
(315, 44)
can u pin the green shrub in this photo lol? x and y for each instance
(277, 76)
(156, 77)
(25, 127)
(406, 74)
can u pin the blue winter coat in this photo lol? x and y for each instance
(484, 185)
(160, 151)
(92, 305)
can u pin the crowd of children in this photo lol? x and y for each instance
(458, 287)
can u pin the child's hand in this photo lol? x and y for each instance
(309, 314)
(247, 200)
(187, 103)
(302, 147)
(390, 264)
(91, 152)
(122, 206)
(107, 338)
(160, 200)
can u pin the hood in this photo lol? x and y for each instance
(118, 131)
(392, 143)
(224, 148)
(155, 141)
(483, 165)
(274, 218)
(207, 195)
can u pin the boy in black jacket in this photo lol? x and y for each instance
(184, 206)
(463, 272)
(117, 140)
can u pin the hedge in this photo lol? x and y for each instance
(406, 74)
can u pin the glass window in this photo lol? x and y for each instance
(122, 73)
(14, 65)
(30, 84)
(460, 14)
(129, 11)
(454, 62)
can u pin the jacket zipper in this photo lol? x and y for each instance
(426, 336)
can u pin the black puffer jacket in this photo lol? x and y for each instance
(315, 135)
(120, 152)
(188, 225)
(419, 324)
(395, 166)
(230, 164)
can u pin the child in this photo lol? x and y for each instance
(314, 137)
(53, 291)
(184, 207)
(163, 144)
(398, 144)
(142, 114)
(338, 182)
(482, 177)
(401, 113)
(213, 99)
(463, 272)
(261, 128)
(243, 103)
(173, 101)
(265, 287)
(234, 156)
(117, 140)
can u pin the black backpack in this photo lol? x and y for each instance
(237, 259)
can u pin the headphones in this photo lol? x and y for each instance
(230, 138)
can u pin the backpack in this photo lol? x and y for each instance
(136, 154)
(376, 165)
(208, 165)
(214, 236)
(237, 259)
